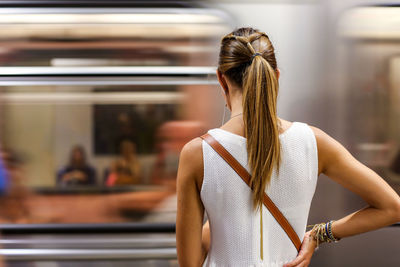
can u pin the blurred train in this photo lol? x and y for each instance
(98, 97)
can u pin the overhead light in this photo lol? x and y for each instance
(92, 98)
(110, 30)
(370, 23)
(135, 18)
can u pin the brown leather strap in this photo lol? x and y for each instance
(244, 174)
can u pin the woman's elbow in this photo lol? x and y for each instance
(394, 211)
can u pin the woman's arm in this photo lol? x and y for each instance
(383, 202)
(190, 210)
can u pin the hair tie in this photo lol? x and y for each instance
(254, 55)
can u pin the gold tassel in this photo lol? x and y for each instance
(261, 235)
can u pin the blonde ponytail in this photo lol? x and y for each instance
(255, 71)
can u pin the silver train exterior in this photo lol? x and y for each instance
(96, 76)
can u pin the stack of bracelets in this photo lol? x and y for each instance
(323, 233)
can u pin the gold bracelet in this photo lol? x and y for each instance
(323, 233)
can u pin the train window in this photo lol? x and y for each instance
(64, 152)
(96, 107)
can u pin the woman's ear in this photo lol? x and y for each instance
(278, 73)
(222, 82)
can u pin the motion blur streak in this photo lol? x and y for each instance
(99, 97)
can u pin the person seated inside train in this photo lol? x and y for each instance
(78, 172)
(16, 195)
(171, 136)
(4, 177)
(126, 169)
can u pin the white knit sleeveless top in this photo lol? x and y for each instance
(234, 225)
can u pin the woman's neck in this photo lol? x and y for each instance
(236, 105)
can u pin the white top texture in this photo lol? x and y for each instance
(234, 224)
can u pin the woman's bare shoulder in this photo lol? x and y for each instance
(191, 160)
(324, 140)
(193, 148)
(329, 149)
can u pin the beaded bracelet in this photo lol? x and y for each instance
(323, 233)
(330, 234)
